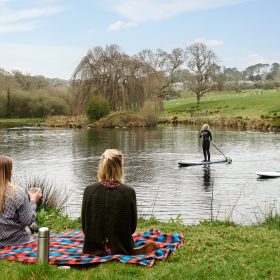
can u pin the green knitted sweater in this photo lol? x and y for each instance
(109, 217)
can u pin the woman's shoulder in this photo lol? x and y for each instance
(92, 186)
(18, 195)
(20, 192)
(127, 188)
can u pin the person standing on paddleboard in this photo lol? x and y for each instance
(206, 135)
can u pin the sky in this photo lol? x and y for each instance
(50, 37)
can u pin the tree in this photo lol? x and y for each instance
(220, 77)
(275, 69)
(201, 64)
(8, 107)
(252, 78)
(24, 81)
(112, 74)
(159, 71)
(233, 76)
(97, 108)
(269, 76)
(254, 72)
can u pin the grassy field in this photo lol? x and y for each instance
(249, 109)
(21, 121)
(250, 106)
(212, 250)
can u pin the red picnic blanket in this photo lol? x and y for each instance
(66, 249)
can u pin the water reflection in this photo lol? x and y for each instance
(70, 157)
(207, 177)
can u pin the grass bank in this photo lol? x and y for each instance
(250, 109)
(21, 121)
(212, 250)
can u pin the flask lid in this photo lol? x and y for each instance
(43, 232)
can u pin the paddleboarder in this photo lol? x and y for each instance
(206, 135)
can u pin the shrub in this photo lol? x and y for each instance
(97, 108)
(149, 112)
(122, 119)
(39, 103)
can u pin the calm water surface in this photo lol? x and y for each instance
(70, 158)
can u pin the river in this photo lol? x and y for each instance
(69, 158)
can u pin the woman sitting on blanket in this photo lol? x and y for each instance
(109, 213)
(17, 211)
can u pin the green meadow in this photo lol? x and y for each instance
(21, 121)
(249, 109)
(250, 105)
(211, 250)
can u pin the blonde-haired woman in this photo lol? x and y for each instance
(17, 211)
(206, 135)
(109, 214)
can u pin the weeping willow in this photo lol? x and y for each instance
(112, 74)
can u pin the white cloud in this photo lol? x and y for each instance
(13, 20)
(8, 28)
(210, 43)
(157, 10)
(50, 61)
(255, 59)
(29, 14)
(49, 1)
(120, 25)
(242, 61)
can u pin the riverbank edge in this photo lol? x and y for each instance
(211, 250)
(265, 125)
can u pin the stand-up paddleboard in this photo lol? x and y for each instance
(185, 163)
(269, 174)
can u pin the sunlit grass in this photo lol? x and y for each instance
(252, 104)
(212, 250)
(23, 121)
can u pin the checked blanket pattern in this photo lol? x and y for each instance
(66, 249)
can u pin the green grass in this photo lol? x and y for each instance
(256, 109)
(251, 104)
(23, 121)
(212, 250)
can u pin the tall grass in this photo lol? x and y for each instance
(149, 112)
(54, 197)
(272, 220)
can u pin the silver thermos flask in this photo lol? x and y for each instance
(43, 248)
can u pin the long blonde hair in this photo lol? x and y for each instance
(110, 166)
(6, 187)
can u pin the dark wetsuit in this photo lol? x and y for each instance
(207, 137)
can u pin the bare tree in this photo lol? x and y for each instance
(220, 77)
(159, 69)
(233, 76)
(201, 64)
(112, 74)
(275, 70)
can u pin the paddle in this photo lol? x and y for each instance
(229, 160)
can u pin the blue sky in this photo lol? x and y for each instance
(49, 37)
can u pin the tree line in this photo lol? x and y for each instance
(127, 82)
(23, 95)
